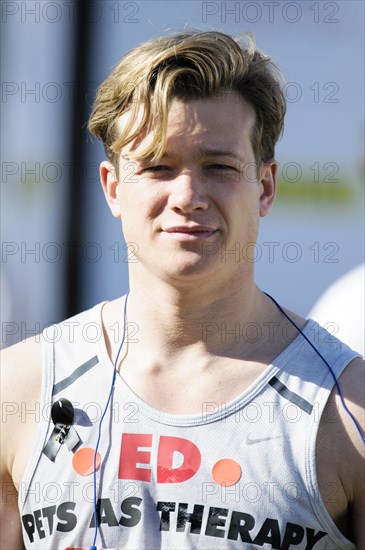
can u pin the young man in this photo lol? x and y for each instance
(224, 427)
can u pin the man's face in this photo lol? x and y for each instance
(203, 200)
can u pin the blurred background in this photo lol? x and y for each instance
(62, 251)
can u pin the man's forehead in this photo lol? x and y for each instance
(215, 124)
(219, 103)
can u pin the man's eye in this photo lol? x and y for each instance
(220, 167)
(158, 168)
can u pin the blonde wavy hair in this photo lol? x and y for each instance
(185, 66)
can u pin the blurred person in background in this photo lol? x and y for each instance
(206, 387)
(342, 305)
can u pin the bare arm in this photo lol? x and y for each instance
(20, 384)
(340, 455)
(10, 530)
(352, 471)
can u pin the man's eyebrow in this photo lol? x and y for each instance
(220, 153)
(208, 152)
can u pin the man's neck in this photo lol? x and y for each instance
(176, 327)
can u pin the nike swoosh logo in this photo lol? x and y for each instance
(252, 440)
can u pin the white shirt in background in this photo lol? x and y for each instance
(343, 304)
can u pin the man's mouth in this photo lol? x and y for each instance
(190, 232)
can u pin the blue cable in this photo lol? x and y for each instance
(93, 547)
(330, 369)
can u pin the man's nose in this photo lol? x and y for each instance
(188, 192)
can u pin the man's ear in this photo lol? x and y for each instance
(268, 185)
(110, 185)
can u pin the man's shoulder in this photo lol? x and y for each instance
(352, 386)
(21, 371)
(21, 365)
(342, 425)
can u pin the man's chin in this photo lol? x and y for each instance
(186, 271)
(182, 268)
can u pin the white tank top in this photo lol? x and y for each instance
(236, 476)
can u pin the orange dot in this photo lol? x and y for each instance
(226, 472)
(83, 461)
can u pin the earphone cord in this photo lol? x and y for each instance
(96, 521)
(329, 367)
